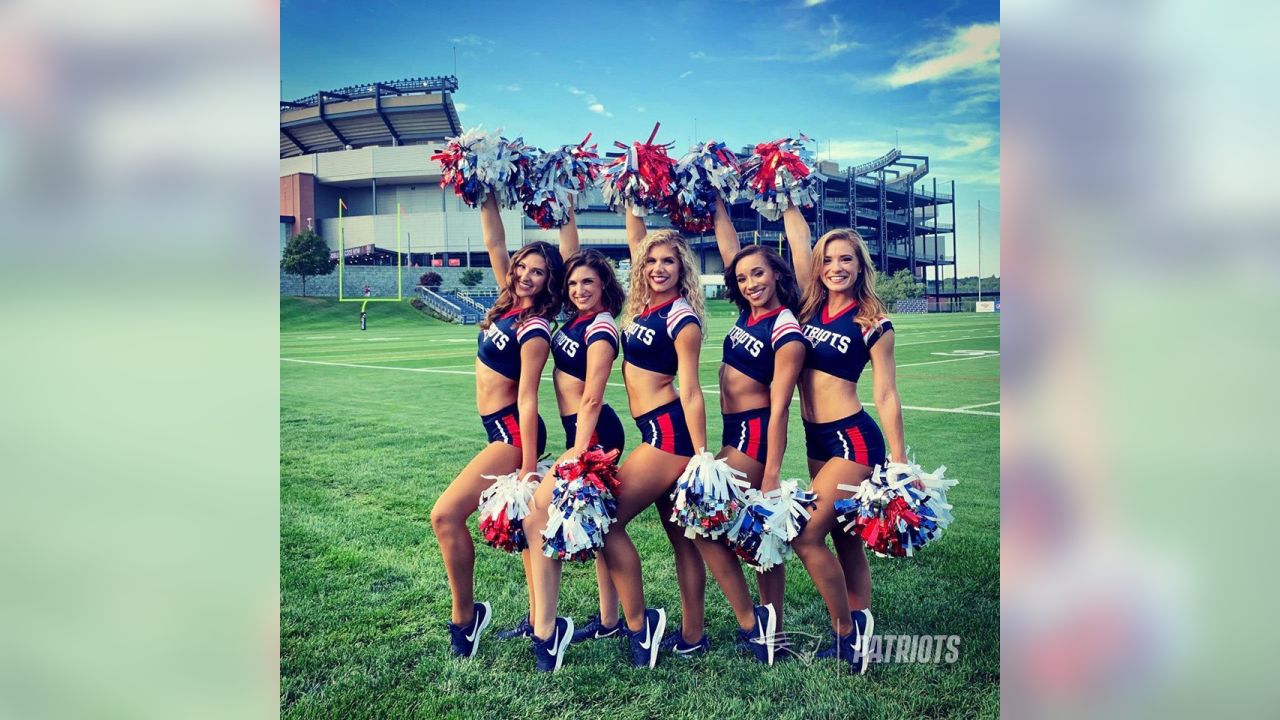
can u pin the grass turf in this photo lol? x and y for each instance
(369, 440)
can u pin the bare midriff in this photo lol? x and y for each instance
(740, 392)
(647, 390)
(827, 398)
(569, 391)
(494, 391)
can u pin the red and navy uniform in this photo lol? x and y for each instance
(649, 341)
(750, 348)
(841, 347)
(649, 344)
(569, 350)
(504, 426)
(499, 350)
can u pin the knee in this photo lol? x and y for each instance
(443, 518)
(808, 547)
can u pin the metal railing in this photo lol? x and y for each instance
(444, 307)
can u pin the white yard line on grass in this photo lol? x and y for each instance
(970, 407)
(705, 389)
(938, 362)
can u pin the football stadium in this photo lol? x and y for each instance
(375, 423)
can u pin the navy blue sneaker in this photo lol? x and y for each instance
(596, 629)
(524, 629)
(864, 628)
(646, 642)
(678, 647)
(550, 652)
(760, 640)
(844, 648)
(464, 640)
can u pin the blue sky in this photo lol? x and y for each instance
(847, 74)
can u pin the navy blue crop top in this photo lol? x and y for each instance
(751, 343)
(839, 346)
(649, 341)
(569, 346)
(499, 345)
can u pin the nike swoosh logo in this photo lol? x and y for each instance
(555, 646)
(472, 636)
(648, 638)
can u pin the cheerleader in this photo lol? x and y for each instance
(846, 325)
(584, 351)
(514, 341)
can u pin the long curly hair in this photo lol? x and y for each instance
(611, 293)
(870, 306)
(690, 287)
(785, 287)
(547, 302)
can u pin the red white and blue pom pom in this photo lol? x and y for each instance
(777, 177)
(559, 177)
(503, 506)
(477, 163)
(707, 173)
(769, 523)
(891, 515)
(582, 506)
(708, 496)
(641, 178)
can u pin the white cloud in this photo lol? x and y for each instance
(638, 108)
(685, 74)
(975, 48)
(460, 106)
(509, 88)
(831, 44)
(813, 3)
(575, 91)
(697, 55)
(473, 40)
(593, 104)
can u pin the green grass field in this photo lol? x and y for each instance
(374, 425)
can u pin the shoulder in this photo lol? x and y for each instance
(602, 325)
(680, 314)
(876, 329)
(533, 327)
(785, 328)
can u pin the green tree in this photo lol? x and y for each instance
(899, 286)
(471, 277)
(306, 255)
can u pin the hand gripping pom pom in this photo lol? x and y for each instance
(707, 497)
(503, 506)
(559, 177)
(708, 172)
(891, 515)
(769, 523)
(476, 163)
(641, 178)
(582, 506)
(777, 177)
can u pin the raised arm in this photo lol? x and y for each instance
(726, 235)
(533, 357)
(799, 239)
(495, 239)
(569, 236)
(636, 231)
(888, 404)
(688, 346)
(788, 361)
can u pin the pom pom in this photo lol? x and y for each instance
(708, 172)
(777, 177)
(476, 163)
(891, 515)
(559, 177)
(582, 506)
(503, 506)
(768, 524)
(707, 497)
(641, 178)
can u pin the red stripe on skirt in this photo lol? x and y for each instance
(753, 437)
(860, 454)
(667, 430)
(513, 428)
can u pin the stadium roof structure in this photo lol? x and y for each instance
(400, 112)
